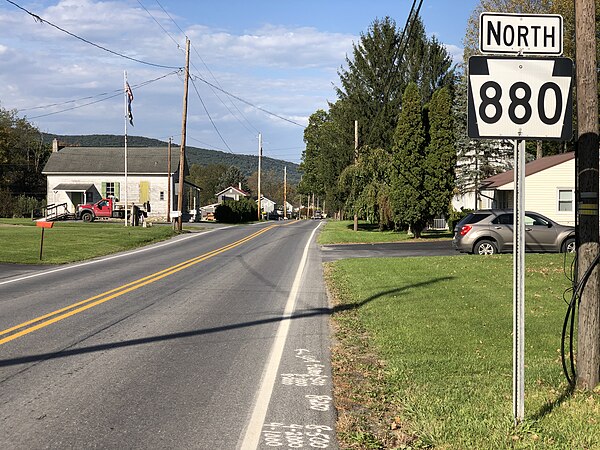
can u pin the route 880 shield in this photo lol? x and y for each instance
(519, 98)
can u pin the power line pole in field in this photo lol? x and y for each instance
(169, 181)
(588, 332)
(259, 169)
(183, 133)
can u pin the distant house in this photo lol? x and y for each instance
(266, 205)
(549, 188)
(77, 175)
(231, 193)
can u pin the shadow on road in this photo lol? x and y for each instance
(186, 334)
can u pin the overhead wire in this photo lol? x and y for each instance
(209, 117)
(39, 19)
(115, 93)
(212, 75)
(398, 55)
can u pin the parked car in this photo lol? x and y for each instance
(490, 231)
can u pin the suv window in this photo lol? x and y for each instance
(532, 219)
(473, 218)
(504, 219)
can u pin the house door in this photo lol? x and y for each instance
(76, 199)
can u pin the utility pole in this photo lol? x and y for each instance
(285, 192)
(588, 332)
(169, 181)
(355, 162)
(259, 168)
(183, 130)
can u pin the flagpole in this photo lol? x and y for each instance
(125, 97)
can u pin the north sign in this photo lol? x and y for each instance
(523, 34)
(520, 98)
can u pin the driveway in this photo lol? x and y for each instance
(394, 249)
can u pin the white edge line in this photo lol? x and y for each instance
(108, 258)
(263, 396)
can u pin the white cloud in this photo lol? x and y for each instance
(286, 70)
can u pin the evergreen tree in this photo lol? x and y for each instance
(208, 178)
(409, 205)
(440, 158)
(233, 177)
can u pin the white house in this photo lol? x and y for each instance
(549, 188)
(231, 193)
(267, 205)
(77, 175)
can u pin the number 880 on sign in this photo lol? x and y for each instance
(519, 98)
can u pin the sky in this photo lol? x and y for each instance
(256, 65)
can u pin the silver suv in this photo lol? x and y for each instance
(490, 231)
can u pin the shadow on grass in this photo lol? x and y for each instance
(306, 313)
(551, 405)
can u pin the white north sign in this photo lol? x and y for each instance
(519, 98)
(526, 34)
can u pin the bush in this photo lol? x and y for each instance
(18, 207)
(232, 211)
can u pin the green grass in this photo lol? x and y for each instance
(438, 332)
(71, 241)
(342, 232)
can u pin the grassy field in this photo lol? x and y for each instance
(71, 241)
(423, 355)
(342, 232)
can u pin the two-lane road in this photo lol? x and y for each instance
(214, 340)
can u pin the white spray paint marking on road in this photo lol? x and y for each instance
(120, 255)
(263, 397)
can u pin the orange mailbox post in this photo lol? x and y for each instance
(43, 225)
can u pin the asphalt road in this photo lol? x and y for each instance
(396, 249)
(216, 340)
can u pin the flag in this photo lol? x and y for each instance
(129, 100)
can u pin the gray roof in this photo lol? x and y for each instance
(140, 160)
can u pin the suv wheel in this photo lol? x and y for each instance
(568, 246)
(485, 247)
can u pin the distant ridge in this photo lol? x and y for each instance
(248, 164)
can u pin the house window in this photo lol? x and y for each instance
(565, 200)
(161, 196)
(110, 189)
(89, 197)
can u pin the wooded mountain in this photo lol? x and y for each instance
(248, 164)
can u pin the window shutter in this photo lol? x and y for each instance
(103, 189)
(118, 190)
(144, 191)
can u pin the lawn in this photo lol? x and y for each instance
(342, 232)
(423, 355)
(71, 241)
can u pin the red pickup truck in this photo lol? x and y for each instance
(105, 208)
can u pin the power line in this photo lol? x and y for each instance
(116, 94)
(41, 20)
(158, 23)
(208, 114)
(248, 103)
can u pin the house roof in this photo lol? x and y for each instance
(530, 168)
(239, 191)
(146, 160)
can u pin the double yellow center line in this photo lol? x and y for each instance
(68, 311)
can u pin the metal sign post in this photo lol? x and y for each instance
(519, 283)
(520, 98)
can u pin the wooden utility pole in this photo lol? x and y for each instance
(259, 168)
(588, 333)
(169, 181)
(355, 162)
(285, 192)
(183, 131)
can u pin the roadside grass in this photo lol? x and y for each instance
(423, 355)
(342, 232)
(71, 241)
